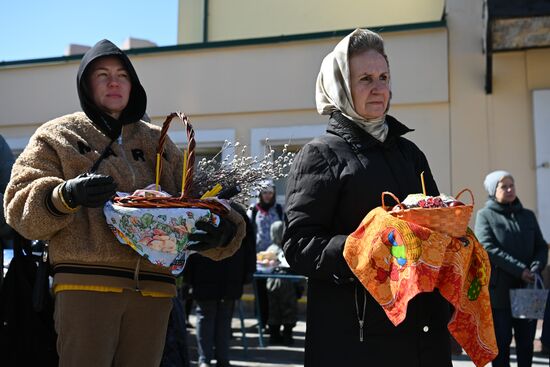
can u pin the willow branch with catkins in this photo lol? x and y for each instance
(249, 173)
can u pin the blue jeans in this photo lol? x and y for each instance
(524, 334)
(214, 330)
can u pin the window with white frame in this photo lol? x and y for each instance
(208, 142)
(541, 127)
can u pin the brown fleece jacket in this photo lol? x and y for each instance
(82, 248)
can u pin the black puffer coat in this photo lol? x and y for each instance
(335, 181)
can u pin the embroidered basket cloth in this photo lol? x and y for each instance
(529, 303)
(158, 234)
(157, 227)
(395, 260)
(452, 221)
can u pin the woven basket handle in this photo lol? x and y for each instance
(402, 207)
(394, 198)
(190, 164)
(466, 190)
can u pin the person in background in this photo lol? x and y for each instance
(216, 285)
(282, 295)
(6, 162)
(262, 215)
(111, 305)
(518, 252)
(335, 180)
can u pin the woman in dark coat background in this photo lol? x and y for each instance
(335, 180)
(517, 251)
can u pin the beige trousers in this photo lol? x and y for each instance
(106, 329)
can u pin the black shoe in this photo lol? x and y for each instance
(276, 339)
(288, 340)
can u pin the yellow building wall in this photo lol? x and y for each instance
(190, 21)
(241, 19)
(37, 93)
(249, 87)
(438, 83)
(538, 69)
(490, 132)
(230, 80)
(516, 76)
(510, 124)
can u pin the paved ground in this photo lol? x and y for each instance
(538, 360)
(278, 356)
(269, 356)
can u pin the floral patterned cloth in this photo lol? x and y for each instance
(158, 234)
(395, 260)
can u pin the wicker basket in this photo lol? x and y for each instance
(452, 221)
(182, 201)
(158, 227)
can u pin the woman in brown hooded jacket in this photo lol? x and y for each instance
(111, 305)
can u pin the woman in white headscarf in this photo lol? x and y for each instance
(335, 180)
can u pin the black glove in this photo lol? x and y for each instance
(88, 189)
(219, 236)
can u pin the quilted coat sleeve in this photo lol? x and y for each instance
(311, 247)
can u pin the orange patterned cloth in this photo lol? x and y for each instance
(395, 260)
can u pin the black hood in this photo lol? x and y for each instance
(137, 102)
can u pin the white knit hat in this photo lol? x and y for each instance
(492, 180)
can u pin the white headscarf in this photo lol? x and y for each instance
(333, 90)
